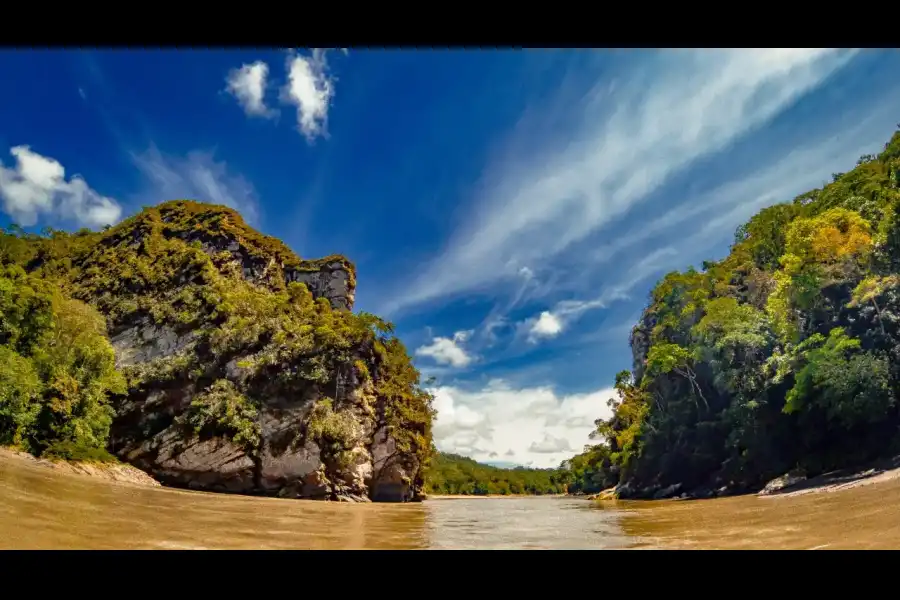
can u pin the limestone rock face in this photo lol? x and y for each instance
(332, 280)
(149, 434)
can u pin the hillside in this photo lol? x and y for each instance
(209, 355)
(785, 355)
(452, 474)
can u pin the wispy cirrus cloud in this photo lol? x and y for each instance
(196, 176)
(633, 134)
(714, 215)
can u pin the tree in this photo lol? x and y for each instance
(869, 289)
(664, 358)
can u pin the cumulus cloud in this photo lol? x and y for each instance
(448, 351)
(310, 88)
(248, 85)
(546, 325)
(669, 110)
(525, 424)
(198, 176)
(36, 186)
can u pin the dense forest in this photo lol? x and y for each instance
(784, 355)
(452, 474)
(230, 328)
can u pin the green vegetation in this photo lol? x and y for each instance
(452, 474)
(335, 432)
(57, 371)
(222, 410)
(783, 355)
(196, 273)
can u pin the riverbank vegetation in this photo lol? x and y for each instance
(454, 475)
(57, 371)
(785, 355)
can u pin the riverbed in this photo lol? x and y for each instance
(49, 508)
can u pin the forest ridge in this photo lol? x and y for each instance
(784, 355)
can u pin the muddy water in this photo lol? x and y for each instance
(44, 508)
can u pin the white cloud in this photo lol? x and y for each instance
(448, 351)
(546, 325)
(674, 108)
(198, 176)
(248, 85)
(310, 88)
(527, 425)
(37, 186)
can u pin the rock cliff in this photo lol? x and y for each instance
(247, 372)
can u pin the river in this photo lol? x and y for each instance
(45, 508)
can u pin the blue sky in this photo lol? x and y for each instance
(508, 210)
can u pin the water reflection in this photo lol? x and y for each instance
(523, 523)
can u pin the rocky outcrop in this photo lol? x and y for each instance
(780, 483)
(326, 279)
(243, 367)
(149, 433)
(640, 344)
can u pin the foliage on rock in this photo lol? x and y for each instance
(222, 410)
(247, 332)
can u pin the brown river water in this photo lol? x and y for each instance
(46, 508)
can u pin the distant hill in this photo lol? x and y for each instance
(459, 475)
(502, 464)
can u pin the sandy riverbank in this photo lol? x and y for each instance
(115, 472)
(880, 472)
